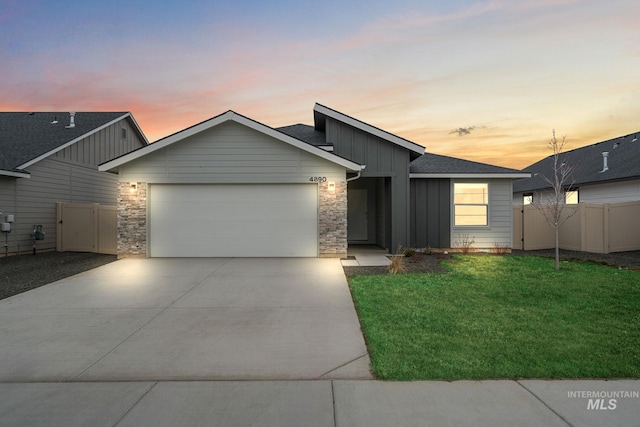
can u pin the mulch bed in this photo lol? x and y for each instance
(430, 263)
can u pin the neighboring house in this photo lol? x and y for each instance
(51, 157)
(231, 186)
(606, 172)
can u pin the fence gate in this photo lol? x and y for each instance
(87, 228)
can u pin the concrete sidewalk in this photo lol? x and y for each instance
(316, 403)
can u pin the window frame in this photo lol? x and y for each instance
(485, 205)
(575, 191)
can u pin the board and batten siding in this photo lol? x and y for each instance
(499, 231)
(230, 153)
(382, 159)
(107, 144)
(70, 176)
(431, 212)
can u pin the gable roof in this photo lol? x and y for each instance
(28, 137)
(623, 162)
(436, 166)
(232, 116)
(320, 114)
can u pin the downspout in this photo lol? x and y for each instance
(353, 178)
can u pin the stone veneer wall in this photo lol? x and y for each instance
(132, 219)
(332, 221)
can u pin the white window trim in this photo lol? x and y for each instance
(453, 204)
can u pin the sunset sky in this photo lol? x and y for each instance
(481, 80)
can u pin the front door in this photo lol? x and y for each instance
(357, 229)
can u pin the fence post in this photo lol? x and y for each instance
(94, 211)
(59, 210)
(605, 228)
(582, 215)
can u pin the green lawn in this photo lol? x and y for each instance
(502, 317)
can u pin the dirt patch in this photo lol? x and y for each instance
(22, 273)
(417, 263)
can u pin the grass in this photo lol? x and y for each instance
(502, 317)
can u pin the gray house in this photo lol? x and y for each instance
(605, 172)
(231, 186)
(52, 157)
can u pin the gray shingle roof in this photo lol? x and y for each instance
(305, 133)
(437, 164)
(623, 162)
(25, 136)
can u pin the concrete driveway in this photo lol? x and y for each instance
(186, 319)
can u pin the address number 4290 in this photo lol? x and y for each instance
(318, 179)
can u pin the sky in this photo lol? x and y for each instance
(486, 81)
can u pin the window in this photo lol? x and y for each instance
(124, 133)
(470, 203)
(571, 197)
(527, 198)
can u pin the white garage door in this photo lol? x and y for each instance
(270, 220)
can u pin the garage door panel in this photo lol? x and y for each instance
(233, 220)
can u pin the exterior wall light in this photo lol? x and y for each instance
(331, 186)
(134, 188)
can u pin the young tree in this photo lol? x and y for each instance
(552, 204)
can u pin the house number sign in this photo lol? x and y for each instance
(318, 179)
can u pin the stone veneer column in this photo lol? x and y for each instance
(332, 221)
(132, 219)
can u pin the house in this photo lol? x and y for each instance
(52, 157)
(605, 172)
(231, 186)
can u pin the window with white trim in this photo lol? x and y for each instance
(470, 204)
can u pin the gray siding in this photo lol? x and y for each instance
(102, 146)
(382, 159)
(230, 153)
(69, 176)
(431, 213)
(54, 181)
(499, 231)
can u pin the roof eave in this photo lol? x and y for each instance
(15, 174)
(224, 117)
(509, 175)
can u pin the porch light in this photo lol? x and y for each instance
(331, 186)
(134, 188)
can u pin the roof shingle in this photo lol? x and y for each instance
(25, 136)
(437, 164)
(623, 162)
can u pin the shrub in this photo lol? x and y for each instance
(465, 242)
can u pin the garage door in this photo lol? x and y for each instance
(270, 220)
